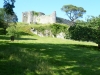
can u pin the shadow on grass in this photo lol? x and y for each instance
(24, 33)
(4, 37)
(64, 59)
(26, 39)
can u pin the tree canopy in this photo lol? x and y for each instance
(73, 12)
(8, 6)
(6, 18)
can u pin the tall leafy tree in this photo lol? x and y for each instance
(9, 15)
(8, 6)
(6, 18)
(73, 12)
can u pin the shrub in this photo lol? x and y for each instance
(86, 32)
(12, 32)
(82, 33)
(57, 28)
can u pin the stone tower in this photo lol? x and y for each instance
(24, 17)
(54, 17)
(30, 17)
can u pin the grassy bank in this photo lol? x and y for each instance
(34, 55)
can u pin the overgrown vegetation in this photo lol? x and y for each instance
(81, 31)
(57, 28)
(35, 13)
(87, 31)
(6, 19)
(54, 29)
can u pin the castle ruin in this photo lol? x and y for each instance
(39, 17)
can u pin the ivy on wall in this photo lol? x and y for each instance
(54, 28)
(35, 13)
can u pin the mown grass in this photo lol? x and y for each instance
(33, 55)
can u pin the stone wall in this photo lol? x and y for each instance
(28, 17)
(48, 33)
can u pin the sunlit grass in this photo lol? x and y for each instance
(30, 54)
(34, 55)
(37, 39)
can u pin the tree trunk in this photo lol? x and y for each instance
(5, 31)
(99, 46)
(12, 38)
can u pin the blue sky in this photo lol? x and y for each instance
(48, 6)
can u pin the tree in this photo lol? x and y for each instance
(5, 19)
(95, 22)
(3, 24)
(73, 12)
(7, 14)
(8, 6)
(87, 31)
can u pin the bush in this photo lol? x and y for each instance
(57, 28)
(85, 33)
(81, 33)
(12, 32)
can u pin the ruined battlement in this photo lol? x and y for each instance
(39, 17)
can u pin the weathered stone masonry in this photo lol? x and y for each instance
(29, 17)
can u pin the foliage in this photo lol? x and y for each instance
(54, 28)
(23, 30)
(94, 22)
(3, 23)
(87, 31)
(8, 6)
(35, 13)
(41, 29)
(2, 12)
(73, 12)
(5, 19)
(2, 31)
(81, 33)
(57, 28)
(11, 30)
(59, 20)
(11, 18)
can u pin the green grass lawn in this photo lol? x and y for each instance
(33, 55)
